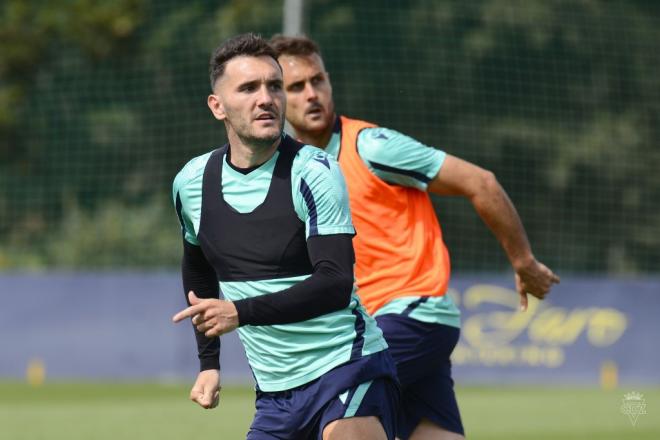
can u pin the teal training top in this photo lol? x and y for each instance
(289, 355)
(401, 160)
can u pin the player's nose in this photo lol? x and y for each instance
(265, 96)
(310, 92)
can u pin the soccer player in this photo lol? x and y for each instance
(266, 220)
(402, 264)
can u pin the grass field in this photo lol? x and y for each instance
(162, 412)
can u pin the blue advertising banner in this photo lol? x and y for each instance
(102, 326)
(118, 326)
(587, 331)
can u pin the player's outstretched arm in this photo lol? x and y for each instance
(328, 289)
(459, 177)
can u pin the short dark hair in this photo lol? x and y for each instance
(244, 44)
(301, 45)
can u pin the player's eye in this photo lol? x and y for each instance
(248, 88)
(297, 87)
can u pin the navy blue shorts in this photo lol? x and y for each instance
(421, 352)
(364, 387)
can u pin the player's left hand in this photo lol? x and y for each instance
(211, 316)
(206, 390)
(535, 279)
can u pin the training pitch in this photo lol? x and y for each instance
(162, 412)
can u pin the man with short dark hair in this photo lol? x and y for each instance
(266, 220)
(402, 265)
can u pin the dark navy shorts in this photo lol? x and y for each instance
(364, 387)
(421, 352)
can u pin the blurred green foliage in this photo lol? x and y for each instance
(102, 102)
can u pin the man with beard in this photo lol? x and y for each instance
(402, 265)
(266, 220)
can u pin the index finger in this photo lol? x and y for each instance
(188, 312)
(523, 301)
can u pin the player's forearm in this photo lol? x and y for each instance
(498, 212)
(318, 295)
(198, 276)
(328, 289)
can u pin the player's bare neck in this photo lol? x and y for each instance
(244, 155)
(318, 139)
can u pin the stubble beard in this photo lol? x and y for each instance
(260, 142)
(263, 142)
(309, 131)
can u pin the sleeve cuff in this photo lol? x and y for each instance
(439, 160)
(243, 310)
(333, 230)
(210, 363)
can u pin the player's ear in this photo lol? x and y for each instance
(216, 106)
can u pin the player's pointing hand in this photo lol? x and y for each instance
(213, 317)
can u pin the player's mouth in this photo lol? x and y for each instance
(266, 117)
(314, 110)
